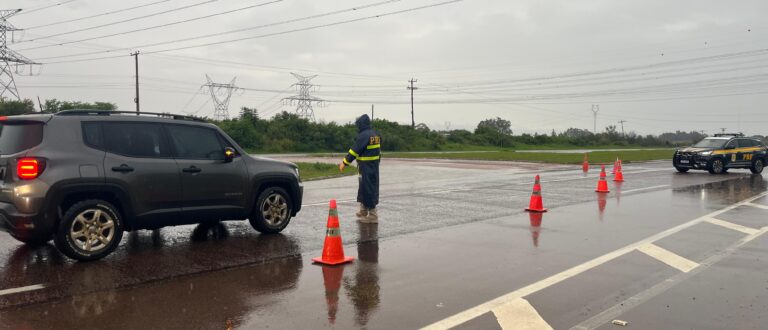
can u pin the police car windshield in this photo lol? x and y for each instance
(711, 143)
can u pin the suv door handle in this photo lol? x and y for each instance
(191, 169)
(122, 168)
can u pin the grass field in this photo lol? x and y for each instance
(318, 171)
(626, 156)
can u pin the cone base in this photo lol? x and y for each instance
(603, 191)
(622, 180)
(333, 262)
(534, 210)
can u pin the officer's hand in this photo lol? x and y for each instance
(341, 167)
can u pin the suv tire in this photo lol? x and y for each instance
(89, 230)
(757, 166)
(272, 211)
(716, 166)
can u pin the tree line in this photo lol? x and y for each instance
(286, 132)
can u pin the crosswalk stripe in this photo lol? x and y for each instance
(668, 257)
(519, 314)
(732, 226)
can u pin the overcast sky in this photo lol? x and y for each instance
(659, 65)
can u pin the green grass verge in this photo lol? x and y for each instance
(547, 157)
(318, 171)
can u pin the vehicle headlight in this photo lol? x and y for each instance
(705, 153)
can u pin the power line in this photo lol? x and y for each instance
(122, 21)
(257, 36)
(156, 26)
(45, 7)
(98, 15)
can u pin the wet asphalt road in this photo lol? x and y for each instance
(452, 236)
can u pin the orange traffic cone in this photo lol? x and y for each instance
(332, 281)
(333, 251)
(602, 185)
(615, 164)
(619, 177)
(535, 219)
(536, 204)
(585, 164)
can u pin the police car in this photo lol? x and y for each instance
(721, 152)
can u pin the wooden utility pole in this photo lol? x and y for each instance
(371, 112)
(622, 126)
(136, 58)
(412, 81)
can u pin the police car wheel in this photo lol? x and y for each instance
(757, 166)
(716, 166)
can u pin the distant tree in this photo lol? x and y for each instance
(54, 105)
(11, 108)
(497, 124)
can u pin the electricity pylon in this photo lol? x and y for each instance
(221, 94)
(304, 99)
(10, 58)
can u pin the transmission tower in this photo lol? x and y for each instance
(9, 58)
(304, 100)
(221, 94)
(595, 110)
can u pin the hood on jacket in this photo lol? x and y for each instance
(363, 123)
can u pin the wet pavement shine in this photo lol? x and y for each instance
(454, 248)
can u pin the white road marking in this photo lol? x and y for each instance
(732, 226)
(22, 289)
(519, 314)
(759, 206)
(674, 260)
(444, 191)
(631, 302)
(483, 308)
(646, 188)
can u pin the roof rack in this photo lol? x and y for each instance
(729, 134)
(85, 112)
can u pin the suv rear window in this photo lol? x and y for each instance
(17, 137)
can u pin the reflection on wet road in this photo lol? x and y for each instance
(450, 238)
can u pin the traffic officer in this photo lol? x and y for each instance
(367, 152)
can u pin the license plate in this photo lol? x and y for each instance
(684, 161)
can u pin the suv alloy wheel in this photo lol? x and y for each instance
(89, 230)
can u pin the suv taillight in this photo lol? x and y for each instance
(29, 168)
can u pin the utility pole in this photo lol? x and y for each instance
(622, 126)
(304, 99)
(722, 129)
(136, 58)
(412, 81)
(595, 109)
(220, 104)
(10, 60)
(39, 104)
(371, 112)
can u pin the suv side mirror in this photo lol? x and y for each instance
(229, 154)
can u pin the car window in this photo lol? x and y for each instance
(135, 140)
(747, 143)
(191, 142)
(17, 137)
(92, 135)
(732, 143)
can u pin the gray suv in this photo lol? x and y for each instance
(82, 178)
